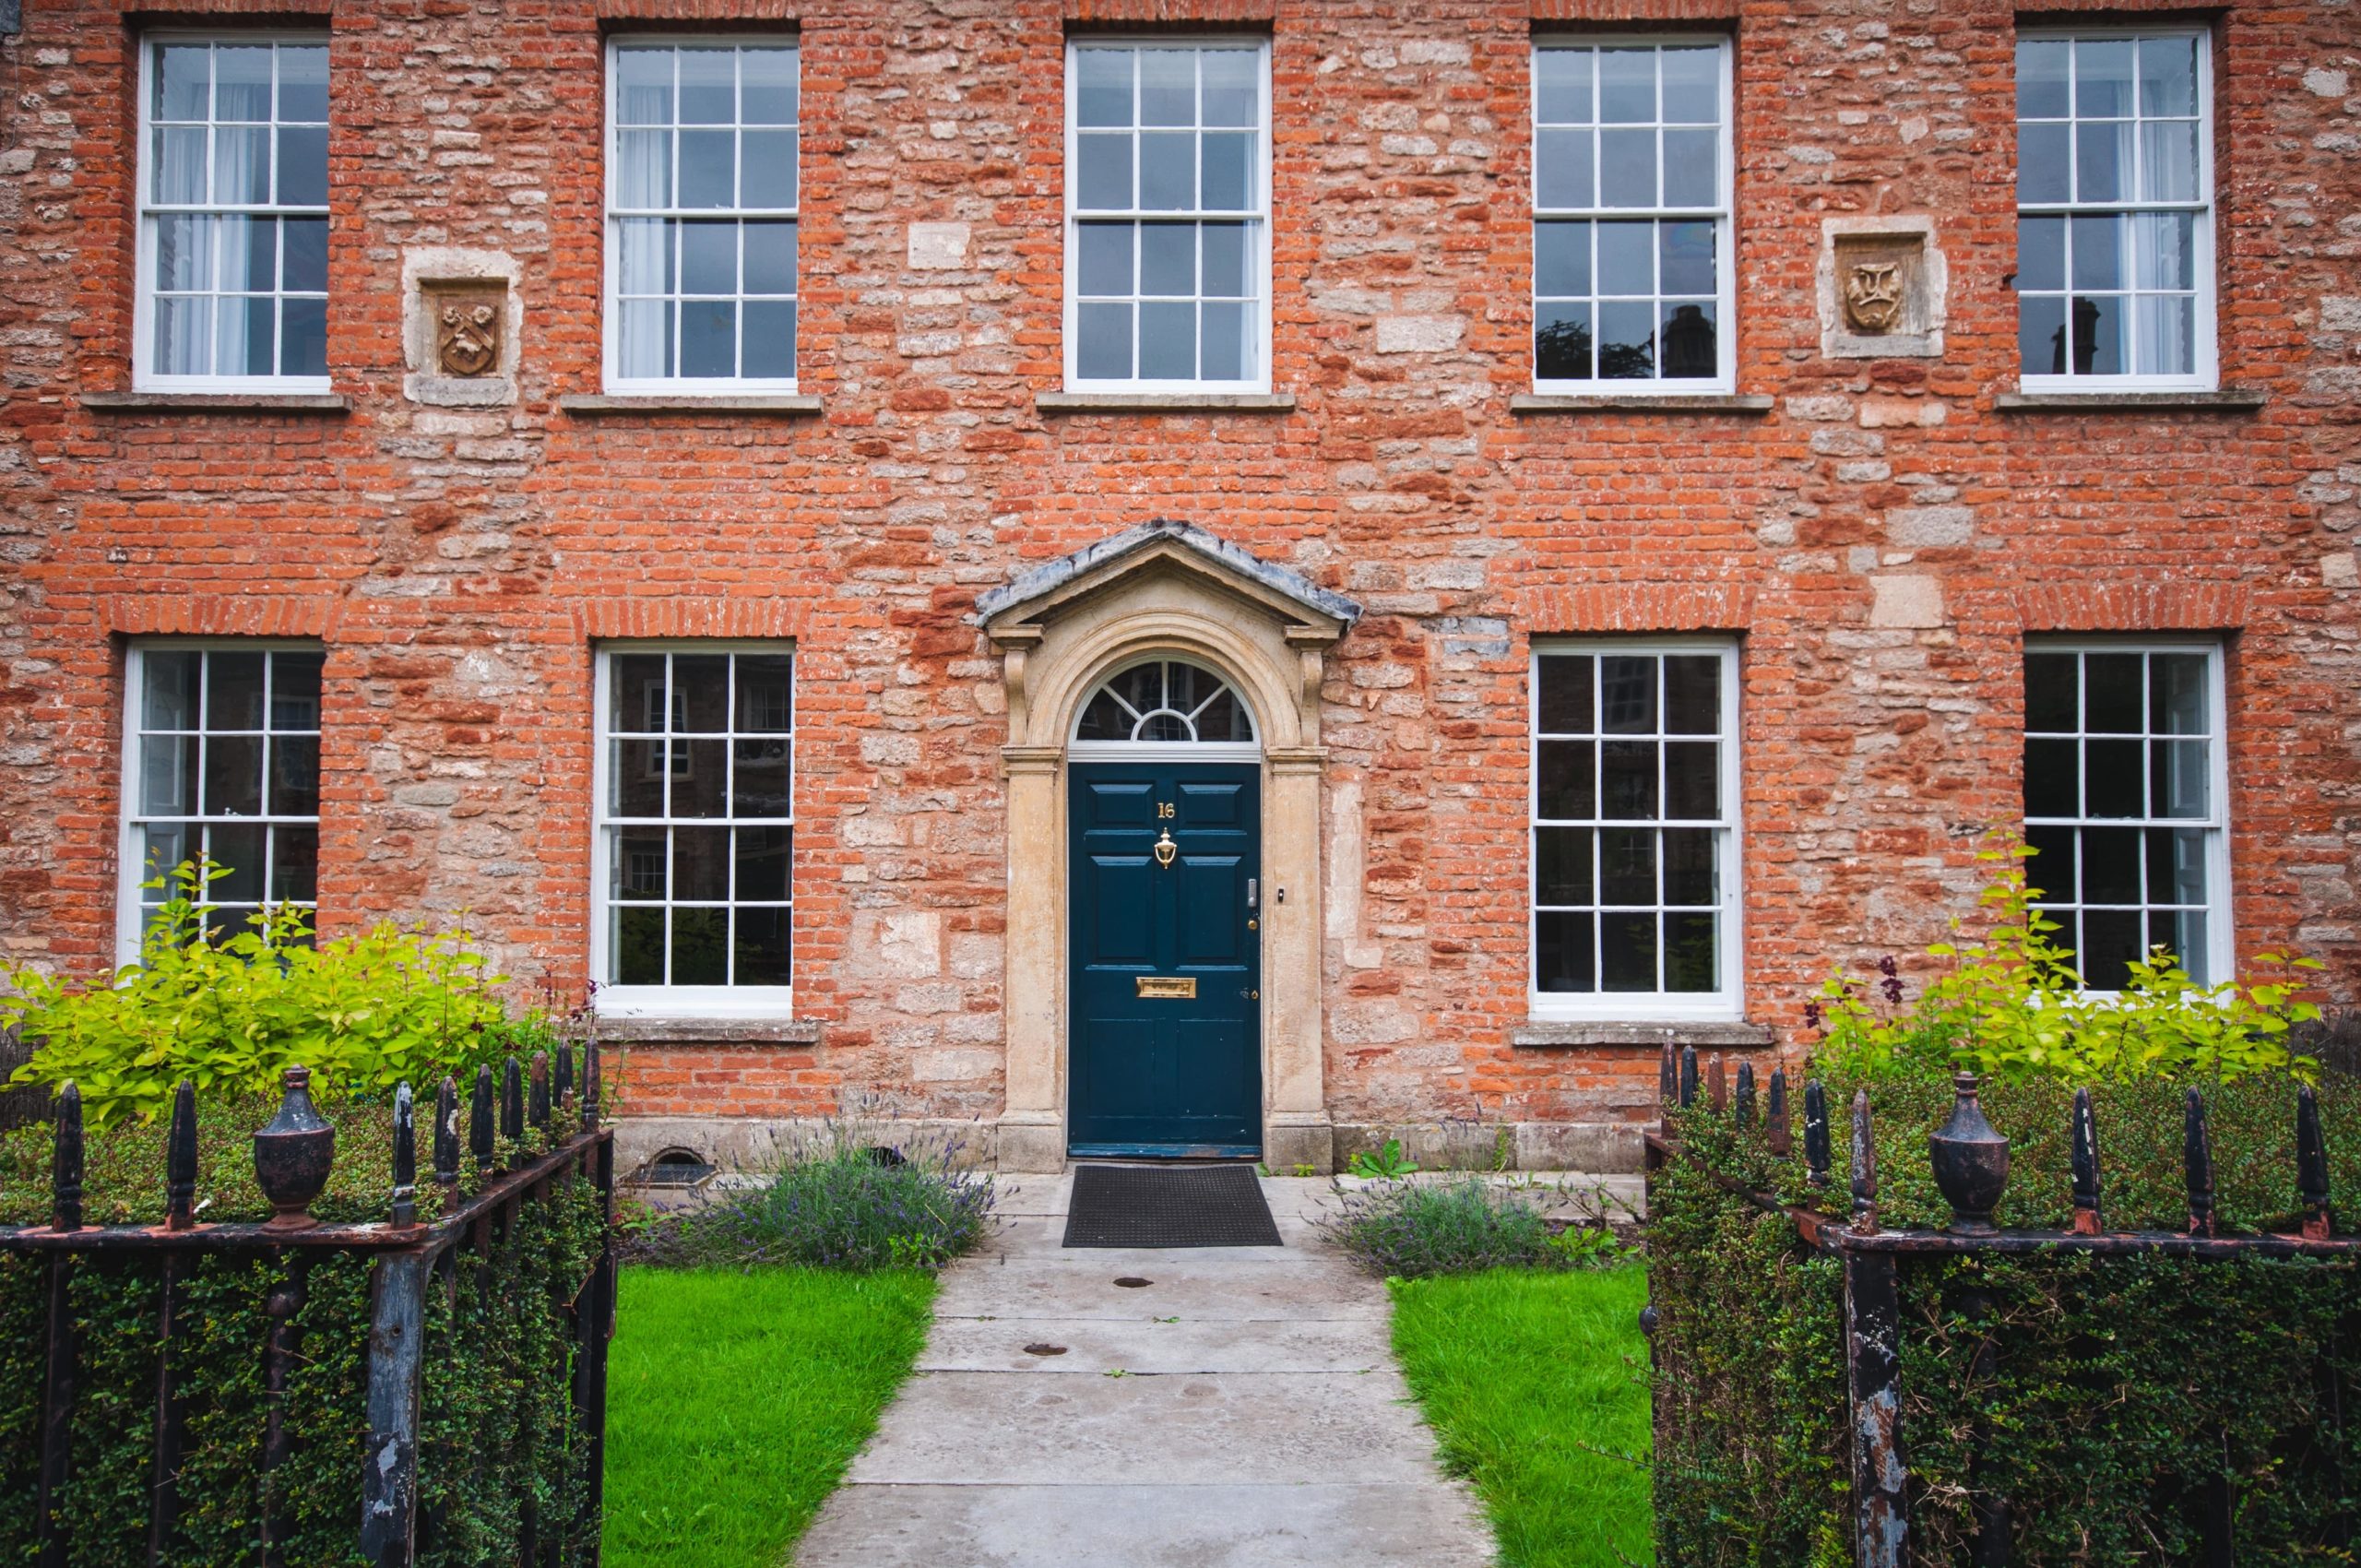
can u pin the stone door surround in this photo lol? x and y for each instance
(1171, 589)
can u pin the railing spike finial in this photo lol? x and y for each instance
(1864, 1167)
(405, 1158)
(1718, 1083)
(480, 1118)
(2196, 1151)
(1782, 1134)
(536, 1100)
(2311, 1167)
(1816, 1133)
(179, 1160)
(562, 1073)
(1688, 1076)
(1667, 1082)
(1745, 1101)
(2089, 1219)
(65, 1161)
(446, 1137)
(512, 1100)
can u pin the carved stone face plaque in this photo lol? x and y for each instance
(467, 333)
(1873, 296)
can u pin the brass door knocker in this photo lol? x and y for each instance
(1165, 847)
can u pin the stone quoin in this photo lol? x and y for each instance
(1464, 539)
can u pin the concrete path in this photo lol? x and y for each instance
(1258, 1420)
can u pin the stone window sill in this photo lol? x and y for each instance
(1704, 1034)
(709, 1031)
(1662, 403)
(780, 403)
(1164, 402)
(227, 402)
(2234, 400)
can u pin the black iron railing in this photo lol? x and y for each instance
(1970, 1163)
(405, 1258)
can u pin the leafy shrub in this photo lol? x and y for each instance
(1461, 1224)
(833, 1197)
(2011, 1007)
(2123, 1387)
(231, 1012)
(1386, 1160)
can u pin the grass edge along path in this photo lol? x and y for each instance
(1536, 1385)
(736, 1400)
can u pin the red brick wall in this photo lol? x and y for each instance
(458, 562)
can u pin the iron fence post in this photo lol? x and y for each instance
(1873, 1370)
(396, 1356)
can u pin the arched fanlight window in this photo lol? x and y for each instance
(1166, 700)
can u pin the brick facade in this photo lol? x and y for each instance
(1881, 538)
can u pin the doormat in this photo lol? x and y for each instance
(1162, 1205)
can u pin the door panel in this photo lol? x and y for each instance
(1163, 1073)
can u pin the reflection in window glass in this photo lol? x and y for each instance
(2120, 804)
(1166, 201)
(234, 194)
(1631, 838)
(1630, 226)
(702, 203)
(698, 820)
(225, 767)
(2113, 204)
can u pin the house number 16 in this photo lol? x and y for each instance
(1163, 810)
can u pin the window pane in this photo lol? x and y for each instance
(1562, 80)
(295, 690)
(2041, 252)
(1561, 259)
(636, 779)
(242, 337)
(183, 81)
(2111, 939)
(2044, 163)
(1168, 87)
(184, 336)
(644, 345)
(295, 776)
(305, 256)
(2114, 701)
(242, 81)
(708, 168)
(769, 168)
(233, 691)
(1567, 787)
(2098, 336)
(701, 862)
(1690, 348)
(709, 87)
(1168, 258)
(1692, 689)
(304, 337)
(2168, 161)
(1232, 88)
(1692, 85)
(1563, 956)
(2043, 90)
(1103, 346)
(2041, 336)
(1224, 349)
(167, 766)
(178, 175)
(762, 955)
(1627, 951)
(770, 257)
(241, 164)
(294, 864)
(1685, 257)
(1102, 87)
(170, 683)
(759, 779)
(643, 86)
(1561, 168)
(2052, 691)
(766, 85)
(1168, 343)
(1627, 340)
(1691, 957)
(638, 942)
(1628, 780)
(2177, 778)
(1103, 258)
(2176, 865)
(1627, 84)
(700, 947)
(2164, 331)
(1690, 165)
(1561, 865)
(1627, 168)
(2111, 866)
(1689, 870)
(238, 849)
(1561, 341)
(232, 775)
(1628, 695)
(303, 166)
(1103, 171)
(1693, 781)
(1167, 170)
(709, 258)
(700, 774)
(2177, 693)
(2102, 161)
(2168, 76)
(1627, 866)
(1227, 172)
(1225, 261)
(1627, 258)
(643, 169)
(2102, 77)
(1566, 706)
(2053, 778)
(708, 338)
(767, 346)
(2115, 783)
(2051, 871)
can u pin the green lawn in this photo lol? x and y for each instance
(1536, 1386)
(735, 1401)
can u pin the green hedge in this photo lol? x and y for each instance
(2123, 1387)
(496, 1437)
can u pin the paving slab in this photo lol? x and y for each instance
(1169, 1526)
(1151, 1344)
(1040, 1429)
(1258, 1420)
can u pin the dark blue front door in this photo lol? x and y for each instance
(1166, 1052)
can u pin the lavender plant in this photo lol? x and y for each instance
(1466, 1223)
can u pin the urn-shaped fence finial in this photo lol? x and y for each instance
(1971, 1161)
(294, 1154)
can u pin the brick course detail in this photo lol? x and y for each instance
(459, 564)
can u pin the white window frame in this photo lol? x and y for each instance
(1724, 216)
(2221, 945)
(145, 377)
(612, 378)
(1727, 1002)
(721, 1002)
(2205, 375)
(1257, 222)
(1080, 750)
(131, 869)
